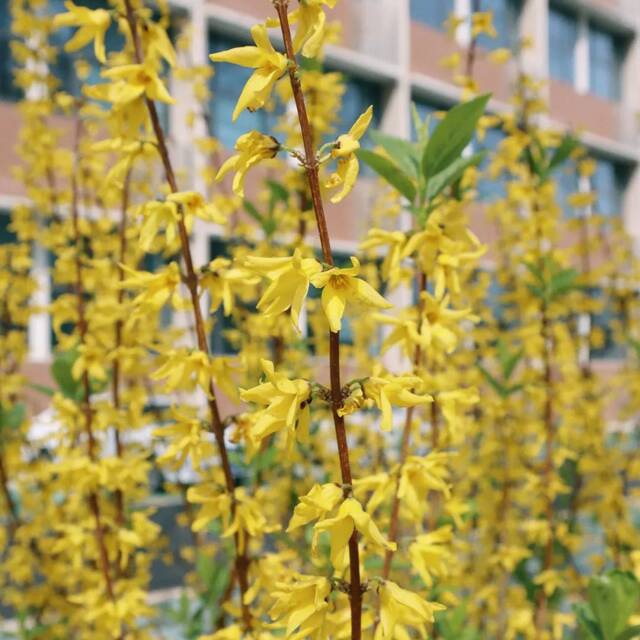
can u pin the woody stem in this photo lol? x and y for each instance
(312, 171)
(191, 280)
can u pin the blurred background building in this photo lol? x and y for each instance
(587, 50)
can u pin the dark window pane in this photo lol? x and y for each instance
(6, 235)
(563, 36)
(226, 86)
(609, 181)
(505, 20)
(605, 58)
(8, 90)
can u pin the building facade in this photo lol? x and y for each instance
(588, 51)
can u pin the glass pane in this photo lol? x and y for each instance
(605, 55)
(432, 12)
(563, 36)
(567, 183)
(609, 181)
(6, 236)
(226, 85)
(490, 189)
(7, 88)
(505, 20)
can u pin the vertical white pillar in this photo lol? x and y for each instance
(462, 9)
(39, 328)
(582, 56)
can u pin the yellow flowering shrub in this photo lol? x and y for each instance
(381, 447)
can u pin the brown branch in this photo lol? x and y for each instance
(94, 503)
(312, 170)
(191, 281)
(404, 448)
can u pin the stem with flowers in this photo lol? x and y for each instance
(311, 166)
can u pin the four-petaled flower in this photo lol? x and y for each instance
(269, 66)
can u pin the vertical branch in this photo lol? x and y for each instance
(191, 282)
(94, 503)
(312, 170)
(115, 388)
(404, 448)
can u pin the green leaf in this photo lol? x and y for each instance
(61, 372)
(636, 345)
(278, 193)
(455, 171)
(452, 135)
(41, 388)
(629, 633)
(497, 386)
(613, 598)
(403, 152)
(587, 623)
(508, 361)
(12, 418)
(568, 144)
(250, 208)
(390, 172)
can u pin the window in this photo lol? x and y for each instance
(226, 85)
(490, 188)
(563, 36)
(609, 181)
(8, 89)
(359, 95)
(6, 235)
(506, 14)
(603, 322)
(605, 59)
(432, 12)
(220, 340)
(567, 183)
(63, 67)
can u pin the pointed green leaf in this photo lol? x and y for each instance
(390, 172)
(568, 144)
(12, 418)
(629, 633)
(497, 386)
(587, 623)
(402, 152)
(61, 372)
(613, 598)
(452, 135)
(455, 171)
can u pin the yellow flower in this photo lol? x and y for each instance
(286, 405)
(582, 199)
(290, 279)
(311, 21)
(133, 81)
(93, 25)
(500, 56)
(253, 147)
(340, 285)
(157, 288)
(344, 152)
(399, 606)
(158, 215)
(350, 517)
(187, 438)
(269, 65)
(315, 504)
(482, 22)
(183, 369)
(304, 604)
(452, 61)
(431, 555)
(394, 390)
(194, 204)
(395, 241)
